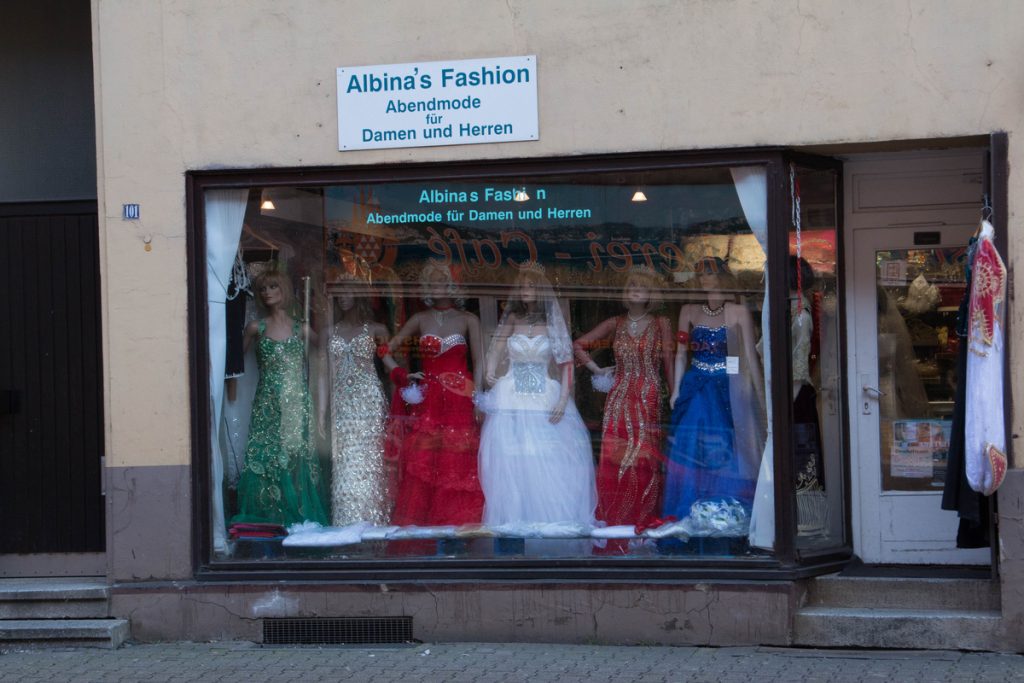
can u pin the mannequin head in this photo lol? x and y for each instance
(643, 287)
(352, 300)
(438, 284)
(273, 291)
(531, 291)
(713, 274)
(353, 304)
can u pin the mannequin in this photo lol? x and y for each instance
(437, 480)
(280, 481)
(714, 448)
(806, 426)
(629, 477)
(358, 410)
(536, 463)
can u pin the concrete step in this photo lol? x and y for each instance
(26, 634)
(897, 628)
(835, 590)
(54, 598)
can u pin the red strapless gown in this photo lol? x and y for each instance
(437, 477)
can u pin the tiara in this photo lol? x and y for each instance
(349, 276)
(532, 267)
(437, 266)
(646, 270)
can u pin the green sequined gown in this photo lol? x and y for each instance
(280, 480)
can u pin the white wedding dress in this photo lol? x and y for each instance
(537, 477)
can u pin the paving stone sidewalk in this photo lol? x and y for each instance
(250, 663)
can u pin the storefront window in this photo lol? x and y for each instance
(817, 427)
(557, 366)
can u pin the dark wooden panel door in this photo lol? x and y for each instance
(51, 385)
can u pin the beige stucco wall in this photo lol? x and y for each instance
(192, 84)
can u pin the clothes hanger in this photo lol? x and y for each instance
(247, 230)
(986, 215)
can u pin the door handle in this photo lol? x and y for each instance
(872, 391)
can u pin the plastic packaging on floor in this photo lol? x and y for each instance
(715, 518)
(543, 530)
(311, 534)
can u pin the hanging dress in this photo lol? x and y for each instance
(358, 414)
(280, 481)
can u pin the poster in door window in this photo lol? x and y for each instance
(920, 449)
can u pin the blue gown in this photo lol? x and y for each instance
(702, 462)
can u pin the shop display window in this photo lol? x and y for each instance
(815, 342)
(554, 366)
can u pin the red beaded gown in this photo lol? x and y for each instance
(438, 482)
(629, 478)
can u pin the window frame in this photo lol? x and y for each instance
(785, 564)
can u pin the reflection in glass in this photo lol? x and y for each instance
(470, 432)
(817, 434)
(918, 295)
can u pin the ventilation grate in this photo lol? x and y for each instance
(337, 631)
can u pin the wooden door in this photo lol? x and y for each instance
(51, 384)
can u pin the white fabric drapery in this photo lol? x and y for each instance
(225, 212)
(752, 188)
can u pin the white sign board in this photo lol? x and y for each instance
(437, 103)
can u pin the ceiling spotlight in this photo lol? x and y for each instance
(265, 203)
(521, 195)
(639, 196)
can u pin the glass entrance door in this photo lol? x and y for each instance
(918, 292)
(906, 301)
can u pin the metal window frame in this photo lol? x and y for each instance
(786, 564)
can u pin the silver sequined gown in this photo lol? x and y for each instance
(358, 411)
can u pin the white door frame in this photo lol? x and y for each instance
(899, 193)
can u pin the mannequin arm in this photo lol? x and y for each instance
(601, 333)
(497, 350)
(380, 334)
(475, 348)
(682, 348)
(400, 376)
(564, 380)
(410, 328)
(746, 325)
(667, 357)
(251, 330)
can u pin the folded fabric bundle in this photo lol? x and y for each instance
(423, 532)
(681, 529)
(543, 530)
(617, 531)
(474, 531)
(326, 536)
(256, 530)
(379, 533)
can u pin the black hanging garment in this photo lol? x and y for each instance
(957, 494)
(234, 318)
